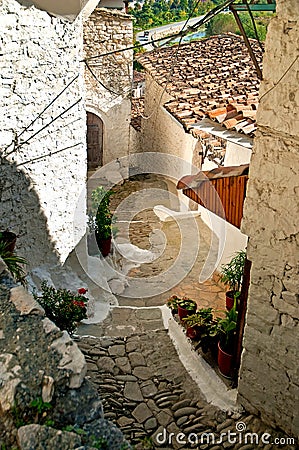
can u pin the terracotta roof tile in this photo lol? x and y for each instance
(207, 75)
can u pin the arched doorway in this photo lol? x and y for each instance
(94, 141)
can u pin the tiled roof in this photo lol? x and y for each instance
(193, 181)
(213, 77)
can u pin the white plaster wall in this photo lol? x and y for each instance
(235, 155)
(269, 381)
(231, 240)
(40, 56)
(109, 95)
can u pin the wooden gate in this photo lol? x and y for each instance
(94, 141)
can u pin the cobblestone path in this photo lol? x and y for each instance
(135, 366)
(148, 393)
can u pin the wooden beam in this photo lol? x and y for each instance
(266, 8)
(247, 43)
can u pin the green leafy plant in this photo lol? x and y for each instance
(187, 303)
(14, 263)
(62, 306)
(172, 303)
(226, 328)
(202, 318)
(99, 443)
(39, 408)
(100, 216)
(232, 273)
(36, 412)
(147, 443)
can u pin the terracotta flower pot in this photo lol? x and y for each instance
(182, 312)
(229, 300)
(225, 362)
(9, 240)
(104, 245)
(192, 332)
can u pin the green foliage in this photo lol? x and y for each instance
(172, 303)
(36, 412)
(75, 429)
(147, 443)
(232, 272)
(226, 328)
(62, 306)
(153, 13)
(187, 303)
(100, 217)
(14, 263)
(203, 318)
(99, 443)
(223, 23)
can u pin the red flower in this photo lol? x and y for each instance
(82, 291)
(82, 304)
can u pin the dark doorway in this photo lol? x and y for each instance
(94, 141)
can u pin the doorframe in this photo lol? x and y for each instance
(100, 115)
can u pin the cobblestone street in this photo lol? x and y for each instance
(154, 386)
(148, 393)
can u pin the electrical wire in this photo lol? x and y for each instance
(254, 25)
(45, 109)
(102, 84)
(207, 17)
(174, 59)
(45, 126)
(280, 79)
(48, 154)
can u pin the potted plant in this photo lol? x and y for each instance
(9, 239)
(101, 218)
(226, 328)
(186, 307)
(65, 308)
(14, 263)
(172, 303)
(232, 275)
(198, 324)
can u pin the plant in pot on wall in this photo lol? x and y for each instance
(198, 324)
(232, 275)
(186, 307)
(65, 308)
(9, 239)
(172, 303)
(226, 328)
(101, 218)
(14, 263)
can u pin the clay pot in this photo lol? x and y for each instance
(225, 362)
(229, 300)
(192, 332)
(182, 312)
(104, 245)
(10, 240)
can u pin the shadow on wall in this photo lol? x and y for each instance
(23, 214)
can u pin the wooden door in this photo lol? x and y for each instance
(94, 141)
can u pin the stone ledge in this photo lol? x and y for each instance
(71, 360)
(25, 303)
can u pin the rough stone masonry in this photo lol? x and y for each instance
(269, 381)
(40, 56)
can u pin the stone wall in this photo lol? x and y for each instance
(40, 56)
(108, 96)
(41, 364)
(269, 381)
